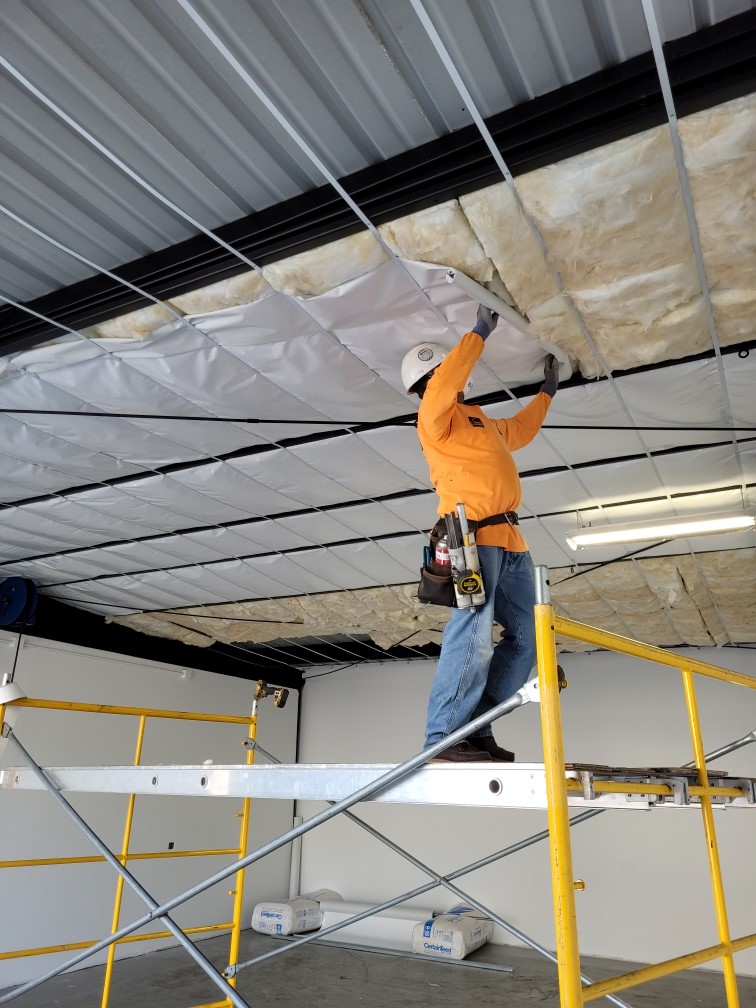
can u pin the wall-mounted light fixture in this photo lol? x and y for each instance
(663, 528)
(10, 691)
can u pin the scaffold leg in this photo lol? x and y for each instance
(436, 880)
(396, 773)
(202, 961)
(565, 920)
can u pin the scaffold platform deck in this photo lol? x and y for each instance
(497, 785)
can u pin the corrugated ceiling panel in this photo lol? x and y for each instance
(147, 84)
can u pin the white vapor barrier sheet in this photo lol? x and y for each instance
(392, 928)
(228, 565)
(281, 358)
(269, 521)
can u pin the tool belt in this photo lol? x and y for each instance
(505, 518)
(436, 586)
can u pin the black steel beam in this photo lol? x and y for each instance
(707, 68)
(66, 624)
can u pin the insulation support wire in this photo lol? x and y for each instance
(77, 127)
(508, 177)
(347, 426)
(181, 319)
(149, 188)
(87, 603)
(111, 156)
(272, 443)
(385, 536)
(320, 165)
(120, 362)
(669, 103)
(292, 133)
(226, 53)
(661, 68)
(640, 571)
(312, 156)
(496, 154)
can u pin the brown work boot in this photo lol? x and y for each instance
(487, 744)
(461, 752)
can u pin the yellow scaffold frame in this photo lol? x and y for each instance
(235, 924)
(572, 993)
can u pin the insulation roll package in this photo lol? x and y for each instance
(291, 916)
(452, 935)
(392, 928)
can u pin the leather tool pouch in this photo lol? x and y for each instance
(436, 586)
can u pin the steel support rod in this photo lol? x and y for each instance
(438, 880)
(521, 697)
(202, 961)
(468, 869)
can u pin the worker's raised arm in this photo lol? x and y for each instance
(520, 429)
(451, 377)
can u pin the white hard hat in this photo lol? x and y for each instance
(419, 361)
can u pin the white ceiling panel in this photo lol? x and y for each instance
(354, 465)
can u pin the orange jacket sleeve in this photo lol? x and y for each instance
(520, 429)
(450, 377)
(469, 455)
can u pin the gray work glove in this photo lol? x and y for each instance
(551, 376)
(486, 323)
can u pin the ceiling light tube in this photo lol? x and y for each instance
(658, 529)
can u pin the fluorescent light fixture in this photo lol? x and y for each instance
(662, 528)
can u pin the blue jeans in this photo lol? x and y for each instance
(473, 675)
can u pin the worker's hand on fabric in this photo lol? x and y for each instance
(551, 376)
(486, 323)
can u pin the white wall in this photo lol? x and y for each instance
(647, 894)
(45, 906)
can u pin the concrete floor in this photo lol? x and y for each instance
(321, 975)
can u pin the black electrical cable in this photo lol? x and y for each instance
(606, 563)
(399, 421)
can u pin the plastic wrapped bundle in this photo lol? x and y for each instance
(292, 916)
(452, 935)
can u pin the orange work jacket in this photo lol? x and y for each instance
(469, 454)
